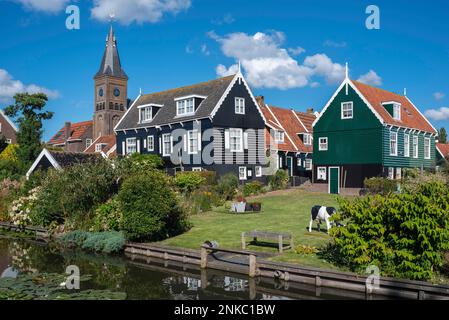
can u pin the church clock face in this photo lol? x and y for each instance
(101, 92)
(117, 92)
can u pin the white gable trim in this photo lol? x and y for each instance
(297, 117)
(127, 111)
(285, 132)
(50, 158)
(93, 142)
(435, 130)
(238, 76)
(348, 82)
(9, 121)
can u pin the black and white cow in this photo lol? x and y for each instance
(321, 213)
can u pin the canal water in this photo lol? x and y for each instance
(143, 280)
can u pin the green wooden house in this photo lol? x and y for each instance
(365, 132)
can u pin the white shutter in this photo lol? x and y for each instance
(199, 140)
(227, 144)
(123, 148)
(138, 145)
(171, 143)
(160, 145)
(185, 142)
(245, 140)
(145, 143)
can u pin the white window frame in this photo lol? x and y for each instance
(415, 146)
(145, 114)
(307, 139)
(321, 173)
(185, 107)
(396, 111)
(406, 145)
(150, 143)
(99, 147)
(8, 141)
(279, 136)
(164, 151)
(239, 104)
(88, 142)
(323, 146)
(197, 169)
(427, 148)
(238, 137)
(350, 110)
(242, 176)
(258, 171)
(395, 141)
(191, 138)
(308, 164)
(131, 147)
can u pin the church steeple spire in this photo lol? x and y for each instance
(110, 64)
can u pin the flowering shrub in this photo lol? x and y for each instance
(21, 208)
(8, 188)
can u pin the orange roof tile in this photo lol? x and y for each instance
(108, 141)
(443, 148)
(410, 115)
(77, 130)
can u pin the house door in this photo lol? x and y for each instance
(334, 180)
(290, 166)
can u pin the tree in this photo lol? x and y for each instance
(442, 135)
(28, 112)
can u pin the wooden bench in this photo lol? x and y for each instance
(280, 237)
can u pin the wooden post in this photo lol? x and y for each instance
(252, 289)
(203, 258)
(252, 265)
(292, 243)
(281, 244)
(204, 282)
(243, 241)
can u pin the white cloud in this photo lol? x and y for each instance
(50, 6)
(437, 114)
(371, 78)
(226, 19)
(296, 51)
(267, 64)
(9, 87)
(438, 95)
(138, 11)
(333, 44)
(222, 71)
(205, 50)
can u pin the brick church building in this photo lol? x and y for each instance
(110, 104)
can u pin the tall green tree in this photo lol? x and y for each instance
(442, 135)
(28, 111)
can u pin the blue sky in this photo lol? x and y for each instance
(292, 52)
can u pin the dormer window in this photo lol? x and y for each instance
(307, 139)
(397, 111)
(146, 114)
(279, 136)
(99, 147)
(393, 108)
(186, 106)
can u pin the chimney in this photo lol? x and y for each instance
(260, 100)
(310, 110)
(67, 130)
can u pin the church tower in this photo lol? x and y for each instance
(111, 90)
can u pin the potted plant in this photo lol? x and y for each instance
(239, 205)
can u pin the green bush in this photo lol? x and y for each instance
(210, 177)
(279, 180)
(252, 188)
(70, 196)
(189, 181)
(380, 185)
(150, 207)
(227, 186)
(11, 169)
(106, 242)
(405, 234)
(136, 163)
(108, 217)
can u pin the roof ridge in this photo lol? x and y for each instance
(379, 89)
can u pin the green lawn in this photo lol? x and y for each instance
(284, 211)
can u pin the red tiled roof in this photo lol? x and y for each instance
(410, 115)
(443, 148)
(77, 130)
(108, 141)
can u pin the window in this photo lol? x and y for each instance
(307, 139)
(150, 143)
(321, 173)
(397, 111)
(166, 145)
(415, 147)
(347, 110)
(426, 148)
(242, 173)
(391, 173)
(192, 142)
(145, 114)
(258, 170)
(131, 145)
(322, 146)
(406, 145)
(98, 147)
(197, 169)
(279, 136)
(308, 164)
(88, 143)
(8, 141)
(239, 105)
(299, 162)
(185, 107)
(236, 140)
(393, 143)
